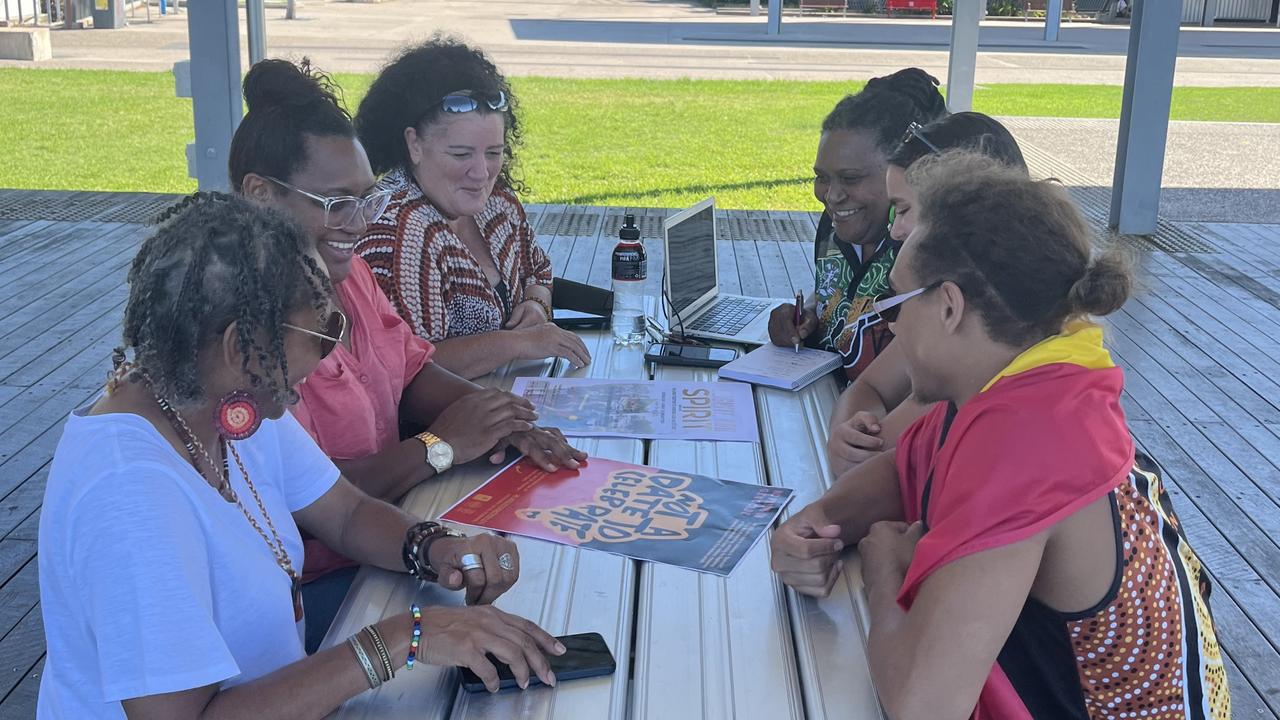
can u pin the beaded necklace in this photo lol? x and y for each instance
(196, 451)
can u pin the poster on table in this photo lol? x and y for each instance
(654, 410)
(645, 513)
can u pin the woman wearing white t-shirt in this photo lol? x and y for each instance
(169, 538)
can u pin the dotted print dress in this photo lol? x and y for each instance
(1148, 650)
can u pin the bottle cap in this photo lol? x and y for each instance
(629, 230)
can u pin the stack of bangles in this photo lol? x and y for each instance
(417, 542)
(380, 653)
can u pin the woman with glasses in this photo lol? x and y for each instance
(853, 251)
(1020, 559)
(877, 406)
(296, 151)
(170, 536)
(454, 250)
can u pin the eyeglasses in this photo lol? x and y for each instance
(335, 328)
(915, 131)
(888, 305)
(465, 101)
(340, 211)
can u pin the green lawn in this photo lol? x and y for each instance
(608, 142)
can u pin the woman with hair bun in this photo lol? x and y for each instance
(1020, 558)
(454, 250)
(296, 151)
(853, 251)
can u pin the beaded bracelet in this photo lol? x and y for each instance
(416, 640)
(363, 658)
(381, 647)
(546, 308)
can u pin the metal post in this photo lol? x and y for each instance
(215, 89)
(1052, 20)
(775, 17)
(256, 19)
(1144, 116)
(755, 8)
(1210, 13)
(963, 62)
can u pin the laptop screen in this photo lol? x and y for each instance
(691, 244)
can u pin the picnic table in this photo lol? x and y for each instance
(687, 645)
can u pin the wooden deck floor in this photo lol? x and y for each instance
(1200, 344)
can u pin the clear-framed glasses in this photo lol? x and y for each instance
(465, 101)
(915, 131)
(335, 328)
(342, 211)
(887, 305)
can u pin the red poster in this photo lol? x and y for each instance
(646, 513)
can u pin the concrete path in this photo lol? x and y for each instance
(680, 38)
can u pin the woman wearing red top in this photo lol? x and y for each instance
(1044, 573)
(453, 249)
(296, 151)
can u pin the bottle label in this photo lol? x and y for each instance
(629, 264)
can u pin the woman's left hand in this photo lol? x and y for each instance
(501, 565)
(545, 446)
(887, 550)
(527, 314)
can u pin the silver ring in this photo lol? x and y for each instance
(471, 561)
(505, 562)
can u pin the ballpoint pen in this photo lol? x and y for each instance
(799, 315)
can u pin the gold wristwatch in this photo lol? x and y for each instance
(439, 452)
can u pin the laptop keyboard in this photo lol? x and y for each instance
(728, 316)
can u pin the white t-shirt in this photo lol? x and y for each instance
(151, 582)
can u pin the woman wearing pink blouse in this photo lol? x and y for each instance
(296, 151)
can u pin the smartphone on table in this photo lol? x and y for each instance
(586, 655)
(574, 320)
(690, 355)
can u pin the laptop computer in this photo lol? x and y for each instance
(692, 284)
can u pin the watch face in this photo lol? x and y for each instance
(440, 454)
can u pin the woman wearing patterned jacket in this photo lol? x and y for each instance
(454, 251)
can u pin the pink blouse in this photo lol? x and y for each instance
(351, 403)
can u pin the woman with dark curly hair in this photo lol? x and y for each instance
(170, 538)
(454, 250)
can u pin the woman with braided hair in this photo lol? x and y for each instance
(853, 251)
(169, 537)
(296, 151)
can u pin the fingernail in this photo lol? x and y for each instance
(560, 650)
(552, 678)
(839, 546)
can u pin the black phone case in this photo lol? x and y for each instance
(572, 323)
(686, 362)
(472, 683)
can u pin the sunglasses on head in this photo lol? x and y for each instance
(465, 101)
(886, 306)
(915, 131)
(335, 328)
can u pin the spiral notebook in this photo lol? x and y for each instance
(781, 367)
